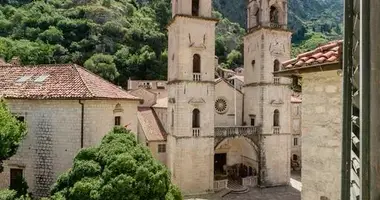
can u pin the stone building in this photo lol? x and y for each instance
(320, 70)
(65, 108)
(296, 154)
(216, 127)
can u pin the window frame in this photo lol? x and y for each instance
(161, 148)
(117, 120)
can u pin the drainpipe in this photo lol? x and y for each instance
(242, 110)
(81, 124)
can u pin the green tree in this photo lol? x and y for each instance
(103, 65)
(12, 132)
(120, 168)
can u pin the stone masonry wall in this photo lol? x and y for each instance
(54, 136)
(321, 135)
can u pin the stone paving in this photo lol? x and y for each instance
(275, 193)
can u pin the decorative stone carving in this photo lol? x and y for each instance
(276, 48)
(277, 102)
(197, 101)
(221, 105)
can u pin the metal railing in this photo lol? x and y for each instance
(233, 131)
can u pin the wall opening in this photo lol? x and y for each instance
(276, 65)
(274, 15)
(195, 8)
(196, 63)
(276, 118)
(196, 118)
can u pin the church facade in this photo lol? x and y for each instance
(211, 126)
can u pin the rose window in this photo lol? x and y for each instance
(221, 105)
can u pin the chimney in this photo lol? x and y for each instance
(15, 61)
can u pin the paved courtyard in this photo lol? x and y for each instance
(275, 193)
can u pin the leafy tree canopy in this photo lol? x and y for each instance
(120, 168)
(12, 132)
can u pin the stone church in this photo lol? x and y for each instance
(214, 127)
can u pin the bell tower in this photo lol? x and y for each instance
(267, 97)
(191, 61)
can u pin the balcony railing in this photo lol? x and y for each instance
(196, 132)
(232, 131)
(276, 80)
(196, 76)
(276, 130)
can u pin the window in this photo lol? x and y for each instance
(117, 121)
(221, 105)
(161, 148)
(196, 63)
(276, 65)
(172, 117)
(15, 178)
(253, 121)
(196, 118)
(195, 8)
(295, 157)
(276, 118)
(253, 63)
(20, 118)
(273, 15)
(295, 141)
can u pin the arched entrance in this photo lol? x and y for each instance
(236, 160)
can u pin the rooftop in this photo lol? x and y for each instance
(327, 54)
(62, 81)
(151, 125)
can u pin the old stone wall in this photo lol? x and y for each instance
(296, 132)
(321, 135)
(54, 136)
(160, 156)
(224, 91)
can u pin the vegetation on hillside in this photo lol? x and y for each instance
(121, 39)
(119, 168)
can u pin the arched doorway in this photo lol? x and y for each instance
(236, 160)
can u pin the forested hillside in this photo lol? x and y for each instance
(121, 39)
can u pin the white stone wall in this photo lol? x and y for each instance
(296, 131)
(54, 136)
(225, 91)
(160, 156)
(321, 135)
(162, 114)
(184, 7)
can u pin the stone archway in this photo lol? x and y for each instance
(241, 157)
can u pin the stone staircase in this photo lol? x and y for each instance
(236, 188)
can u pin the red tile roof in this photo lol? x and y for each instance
(151, 125)
(66, 81)
(329, 53)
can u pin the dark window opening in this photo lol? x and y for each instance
(172, 118)
(273, 15)
(253, 63)
(295, 157)
(195, 8)
(295, 142)
(161, 148)
(276, 65)
(16, 176)
(196, 118)
(196, 63)
(20, 118)
(252, 121)
(117, 121)
(276, 118)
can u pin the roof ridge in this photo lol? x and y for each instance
(75, 66)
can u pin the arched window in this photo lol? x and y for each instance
(172, 118)
(195, 8)
(276, 65)
(196, 63)
(295, 157)
(196, 118)
(273, 15)
(276, 118)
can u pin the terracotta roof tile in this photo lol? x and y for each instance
(66, 81)
(325, 54)
(151, 125)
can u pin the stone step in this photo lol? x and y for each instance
(224, 192)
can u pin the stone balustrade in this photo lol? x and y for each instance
(249, 181)
(236, 131)
(220, 184)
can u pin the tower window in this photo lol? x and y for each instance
(161, 148)
(295, 142)
(195, 8)
(276, 118)
(196, 63)
(196, 118)
(273, 15)
(295, 157)
(276, 65)
(172, 118)
(253, 63)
